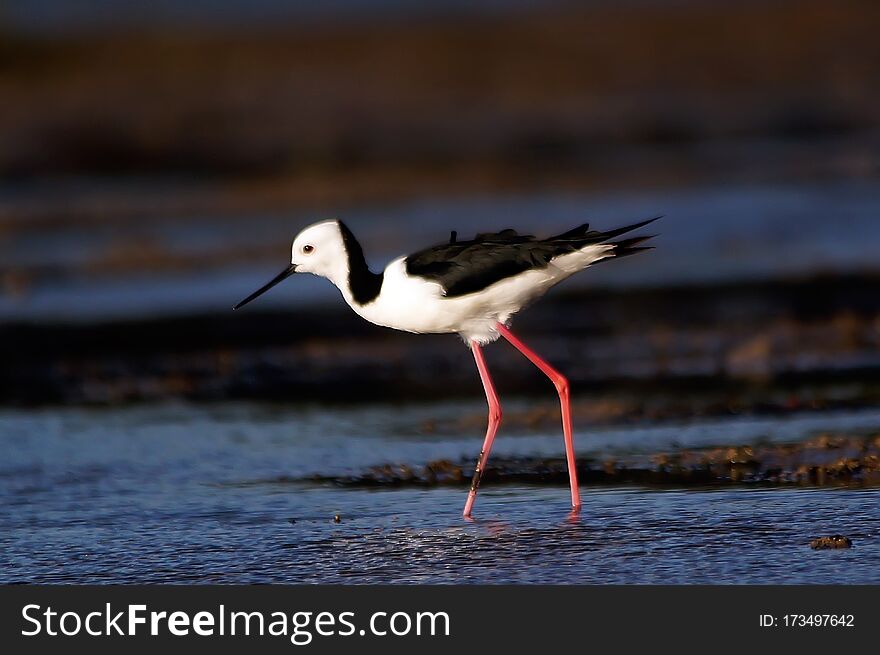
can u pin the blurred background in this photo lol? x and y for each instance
(156, 160)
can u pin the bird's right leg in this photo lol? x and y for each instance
(494, 422)
(561, 384)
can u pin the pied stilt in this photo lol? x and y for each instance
(472, 288)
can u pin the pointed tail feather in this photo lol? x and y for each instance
(610, 234)
(631, 246)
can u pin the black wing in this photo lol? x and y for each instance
(463, 267)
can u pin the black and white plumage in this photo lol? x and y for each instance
(465, 287)
(470, 287)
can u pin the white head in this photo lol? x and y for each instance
(319, 249)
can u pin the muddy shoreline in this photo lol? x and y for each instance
(837, 461)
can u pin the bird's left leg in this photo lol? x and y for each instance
(561, 384)
(494, 422)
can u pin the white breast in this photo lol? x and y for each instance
(406, 303)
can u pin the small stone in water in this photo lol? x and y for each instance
(337, 519)
(834, 541)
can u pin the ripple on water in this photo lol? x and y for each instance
(116, 499)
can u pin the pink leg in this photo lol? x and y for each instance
(561, 385)
(494, 422)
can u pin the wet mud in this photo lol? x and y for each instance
(828, 460)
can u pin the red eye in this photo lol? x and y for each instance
(308, 249)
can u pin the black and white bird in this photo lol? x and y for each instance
(472, 288)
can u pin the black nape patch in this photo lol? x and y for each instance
(364, 284)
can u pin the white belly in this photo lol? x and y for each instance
(413, 304)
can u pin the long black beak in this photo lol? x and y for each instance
(283, 275)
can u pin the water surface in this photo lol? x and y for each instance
(199, 494)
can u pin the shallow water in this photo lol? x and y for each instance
(180, 493)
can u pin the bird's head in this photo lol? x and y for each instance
(319, 249)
